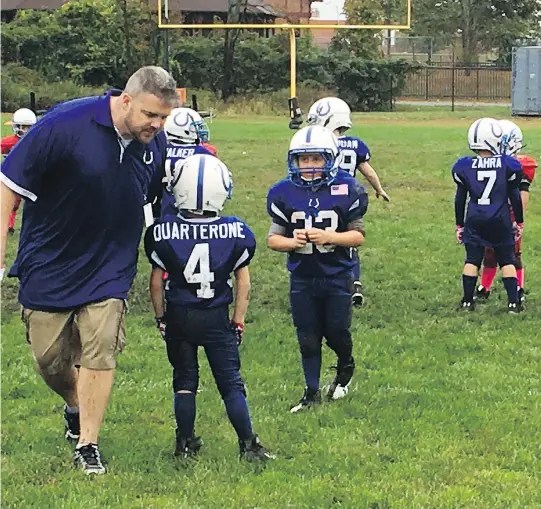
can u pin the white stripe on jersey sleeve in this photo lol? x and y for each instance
(16, 188)
(356, 203)
(278, 212)
(243, 257)
(157, 261)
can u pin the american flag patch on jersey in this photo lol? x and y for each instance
(340, 189)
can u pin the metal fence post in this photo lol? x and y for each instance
(453, 83)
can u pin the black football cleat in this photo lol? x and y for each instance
(521, 296)
(514, 308)
(252, 449)
(187, 447)
(340, 385)
(309, 399)
(482, 294)
(466, 305)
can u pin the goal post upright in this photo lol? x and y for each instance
(295, 112)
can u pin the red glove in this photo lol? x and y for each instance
(238, 330)
(518, 228)
(459, 233)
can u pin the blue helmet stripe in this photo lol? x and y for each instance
(200, 176)
(309, 135)
(476, 131)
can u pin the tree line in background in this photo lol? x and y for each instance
(89, 45)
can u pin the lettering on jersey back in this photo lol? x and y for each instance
(180, 152)
(203, 231)
(348, 143)
(486, 162)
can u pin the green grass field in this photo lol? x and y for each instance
(444, 410)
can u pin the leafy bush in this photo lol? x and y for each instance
(18, 82)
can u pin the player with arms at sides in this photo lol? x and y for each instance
(491, 180)
(317, 216)
(512, 143)
(187, 134)
(23, 119)
(335, 114)
(200, 249)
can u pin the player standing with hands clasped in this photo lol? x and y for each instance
(317, 219)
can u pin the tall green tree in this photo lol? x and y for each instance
(367, 43)
(478, 24)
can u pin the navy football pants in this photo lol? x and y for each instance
(321, 308)
(187, 329)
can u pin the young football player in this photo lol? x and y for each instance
(335, 114)
(200, 249)
(491, 180)
(317, 216)
(23, 119)
(512, 143)
(187, 134)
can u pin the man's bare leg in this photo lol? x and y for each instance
(93, 388)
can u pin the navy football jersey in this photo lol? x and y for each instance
(353, 151)
(327, 207)
(175, 155)
(487, 181)
(199, 255)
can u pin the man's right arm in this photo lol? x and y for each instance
(8, 198)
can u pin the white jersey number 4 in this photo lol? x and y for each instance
(200, 256)
(491, 176)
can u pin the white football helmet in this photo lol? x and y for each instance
(485, 134)
(330, 112)
(22, 120)
(203, 184)
(313, 140)
(512, 138)
(186, 126)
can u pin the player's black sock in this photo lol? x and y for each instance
(239, 416)
(469, 283)
(511, 287)
(312, 367)
(185, 413)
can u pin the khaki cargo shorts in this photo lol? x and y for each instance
(90, 336)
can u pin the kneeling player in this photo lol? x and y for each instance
(512, 143)
(199, 249)
(490, 180)
(335, 114)
(317, 219)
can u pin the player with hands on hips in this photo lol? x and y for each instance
(316, 217)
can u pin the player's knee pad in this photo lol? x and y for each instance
(489, 260)
(231, 393)
(505, 255)
(309, 343)
(339, 341)
(474, 255)
(183, 383)
(518, 260)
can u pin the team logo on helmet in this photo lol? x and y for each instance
(182, 124)
(323, 109)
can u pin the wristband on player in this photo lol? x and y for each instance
(238, 330)
(161, 325)
(459, 233)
